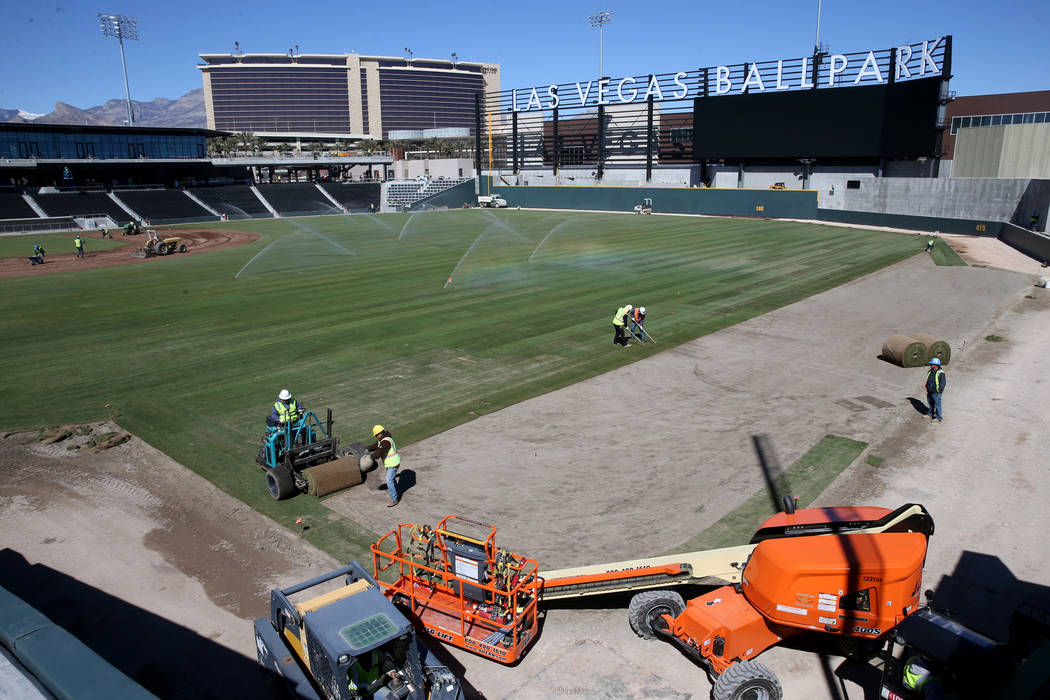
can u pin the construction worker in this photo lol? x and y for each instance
(78, 243)
(384, 453)
(638, 322)
(618, 325)
(935, 383)
(929, 245)
(37, 258)
(105, 233)
(918, 678)
(286, 409)
(368, 673)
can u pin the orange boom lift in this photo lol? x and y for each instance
(848, 571)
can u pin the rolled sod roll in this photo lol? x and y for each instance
(935, 347)
(904, 351)
(333, 476)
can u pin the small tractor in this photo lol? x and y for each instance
(303, 456)
(348, 644)
(155, 245)
(778, 186)
(646, 207)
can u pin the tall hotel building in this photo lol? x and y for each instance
(341, 96)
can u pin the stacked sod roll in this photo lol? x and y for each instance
(904, 351)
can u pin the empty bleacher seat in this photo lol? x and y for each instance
(354, 195)
(14, 206)
(297, 198)
(236, 201)
(162, 205)
(80, 204)
(403, 194)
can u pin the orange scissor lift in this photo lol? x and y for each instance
(460, 587)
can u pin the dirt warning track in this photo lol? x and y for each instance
(198, 241)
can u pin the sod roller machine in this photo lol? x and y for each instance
(303, 456)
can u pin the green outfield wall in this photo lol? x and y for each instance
(972, 227)
(772, 204)
(1032, 243)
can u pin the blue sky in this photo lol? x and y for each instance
(56, 51)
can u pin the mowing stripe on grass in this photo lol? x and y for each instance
(192, 358)
(944, 254)
(807, 477)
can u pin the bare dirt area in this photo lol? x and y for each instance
(146, 562)
(625, 465)
(982, 251)
(198, 242)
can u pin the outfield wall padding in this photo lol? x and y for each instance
(971, 227)
(935, 347)
(772, 204)
(904, 351)
(61, 663)
(1032, 243)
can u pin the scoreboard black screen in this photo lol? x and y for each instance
(877, 121)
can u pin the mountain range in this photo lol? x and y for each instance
(186, 111)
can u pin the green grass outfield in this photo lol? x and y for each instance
(53, 244)
(355, 313)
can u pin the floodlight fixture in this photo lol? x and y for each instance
(121, 27)
(600, 19)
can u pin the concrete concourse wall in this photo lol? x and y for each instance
(766, 203)
(951, 198)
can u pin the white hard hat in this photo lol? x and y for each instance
(628, 307)
(284, 395)
(641, 309)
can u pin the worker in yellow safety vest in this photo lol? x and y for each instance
(384, 453)
(618, 325)
(286, 409)
(364, 674)
(918, 678)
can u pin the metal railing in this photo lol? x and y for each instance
(298, 155)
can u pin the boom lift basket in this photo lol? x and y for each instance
(460, 587)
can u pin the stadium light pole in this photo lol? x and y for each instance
(121, 27)
(600, 19)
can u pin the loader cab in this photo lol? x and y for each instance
(352, 640)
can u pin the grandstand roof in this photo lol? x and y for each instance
(105, 129)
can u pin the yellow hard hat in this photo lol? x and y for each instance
(376, 429)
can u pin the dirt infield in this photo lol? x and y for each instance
(198, 242)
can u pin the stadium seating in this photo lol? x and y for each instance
(355, 196)
(80, 204)
(14, 206)
(163, 205)
(403, 194)
(236, 201)
(297, 198)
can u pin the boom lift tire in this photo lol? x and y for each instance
(747, 680)
(646, 608)
(281, 482)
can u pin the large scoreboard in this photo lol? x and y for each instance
(872, 121)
